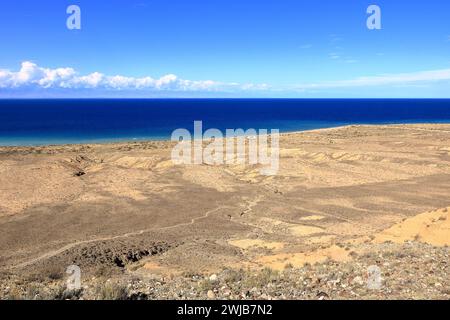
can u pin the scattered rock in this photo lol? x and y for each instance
(358, 281)
(213, 278)
(210, 294)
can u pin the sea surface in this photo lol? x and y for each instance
(60, 121)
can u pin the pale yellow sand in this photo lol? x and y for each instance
(280, 261)
(430, 227)
(258, 243)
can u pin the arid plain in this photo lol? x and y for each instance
(125, 210)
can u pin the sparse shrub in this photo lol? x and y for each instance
(62, 293)
(206, 285)
(262, 278)
(353, 254)
(104, 271)
(35, 277)
(49, 272)
(32, 292)
(288, 266)
(14, 294)
(232, 276)
(136, 266)
(56, 275)
(190, 274)
(112, 291)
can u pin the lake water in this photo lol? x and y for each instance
(40, 122)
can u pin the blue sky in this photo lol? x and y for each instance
(225, 48)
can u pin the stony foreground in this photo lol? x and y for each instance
(408, 271)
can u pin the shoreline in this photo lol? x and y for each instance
(125, 141)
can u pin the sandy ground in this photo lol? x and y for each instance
(126, 206)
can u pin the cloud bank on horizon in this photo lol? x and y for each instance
(44, 80)
(30, 74)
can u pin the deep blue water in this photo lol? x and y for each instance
(34, 122)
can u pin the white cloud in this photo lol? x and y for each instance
(55, 75)
(92, 80)
(334, 56)
(30, 74)
(402, 79)
(4, 76)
